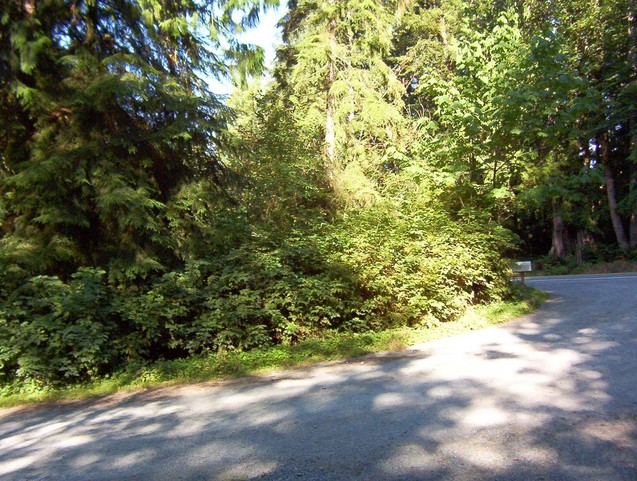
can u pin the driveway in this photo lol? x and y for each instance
(551, 396)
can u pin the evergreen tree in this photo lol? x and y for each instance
(110, 113)
(341, 86)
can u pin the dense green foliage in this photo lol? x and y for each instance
(330, 346)
(400, 153)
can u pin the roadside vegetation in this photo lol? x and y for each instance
(224, 365)
(551, 266)
(378, 181)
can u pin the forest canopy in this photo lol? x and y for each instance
(401, 152)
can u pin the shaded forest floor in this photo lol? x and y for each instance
(608, 267)
(570, 266)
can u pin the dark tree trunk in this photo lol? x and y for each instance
(632, 36)
(584, 239)
(558, 244)
(633, 193)
(618, 227)
(580, 246)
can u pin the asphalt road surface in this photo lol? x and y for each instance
(551, 396)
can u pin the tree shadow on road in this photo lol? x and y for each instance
(550, 396)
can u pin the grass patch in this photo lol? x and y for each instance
(228, 365)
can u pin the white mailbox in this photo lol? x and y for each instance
(524, 266)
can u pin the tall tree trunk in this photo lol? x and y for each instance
(579, 251)
(443, 31)
(558, 245)
(620, 234)
(632, 35)
(330, 113)
(633, 191)
(583, 235)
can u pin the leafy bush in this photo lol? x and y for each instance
(52, 330)
(387, 265)
(553, 265)
(419, 266)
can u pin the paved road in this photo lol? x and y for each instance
(552, 396)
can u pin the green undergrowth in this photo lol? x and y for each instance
(570, 266)
(235, 364)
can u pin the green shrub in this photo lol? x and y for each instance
(384, 266)
(420, 266)
(52, 330)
